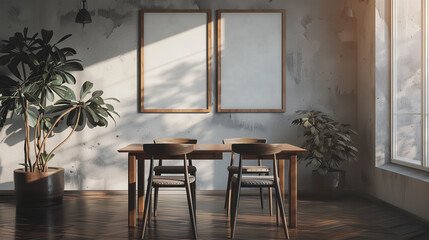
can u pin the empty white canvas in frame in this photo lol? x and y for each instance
(251, 61)
(174, 58)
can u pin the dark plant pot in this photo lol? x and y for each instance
(329, 186)
(39, 189)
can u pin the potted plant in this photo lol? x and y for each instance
(36, 88)
(329, 144)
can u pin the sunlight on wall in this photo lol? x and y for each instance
(175, 61)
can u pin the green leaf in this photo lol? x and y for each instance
(47, 122)
(103, 122)
(102, 112)
(32, 98)
(110, 115)
(57, 81)
(317, 140)
(13, 67)
(71, 66)
(89, 117)
(68, 51)
(306, 124)
(72, 117)
(114, 99)
(317, 154)
(86, 88)
(45, 155)
(110, 107)
(64, 92)
(32, 118)
(97, 93)
(63, 102)
(315, 163)
(60, 55)
(70, 79)
(92, 114)
(64, 38)
(353, 148)
(98, 100)
(49, 94)
(4, 98)
(47, 35)
(313, 130)
(55, 108)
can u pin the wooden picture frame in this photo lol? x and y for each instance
(175, 61)
(251, 61)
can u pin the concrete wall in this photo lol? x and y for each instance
(321, 75)
(403, 187)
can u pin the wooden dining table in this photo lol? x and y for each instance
(136, 157)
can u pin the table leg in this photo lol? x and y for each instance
(293, 203)
(131, 190)
(140, 185)
(282, 177)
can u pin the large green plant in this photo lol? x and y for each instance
(328, 143)
(38, 74)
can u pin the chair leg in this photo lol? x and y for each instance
(235, 209)
(155, 202)
(146, 207)
(191, 208)
(228, 193)
(149, 216)
(277, 212)
(270, 201)
(194, 197)
(232, 203)
(281, 208)
(261, 195)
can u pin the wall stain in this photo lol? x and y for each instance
(234, 122)
(151, 4)
(294, 65)
(68, 17)
(197, 4)
(305, 21)
(14, 14)
(116, 18)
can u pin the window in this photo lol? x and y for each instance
(410, 82)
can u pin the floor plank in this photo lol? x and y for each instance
(103, 215)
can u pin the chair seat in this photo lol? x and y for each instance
(255, 181)
(250, 169)
(171, 181)
(174, 169)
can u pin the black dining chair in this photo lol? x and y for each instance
(260, 150)
(160, 151)
(168, 169)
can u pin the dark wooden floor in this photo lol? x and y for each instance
(103, 215)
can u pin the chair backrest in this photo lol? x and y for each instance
(172, 149)
(244, 140)
(175, 140)
(259, 149)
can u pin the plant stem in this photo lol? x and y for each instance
(52, 128)
(59, 145)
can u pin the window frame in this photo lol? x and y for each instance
(424, 161)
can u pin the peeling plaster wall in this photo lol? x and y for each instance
(321, 75)
(400, 186)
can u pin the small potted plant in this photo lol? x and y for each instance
(329, 144)
(35, 88)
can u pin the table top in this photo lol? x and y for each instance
(138, 148)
